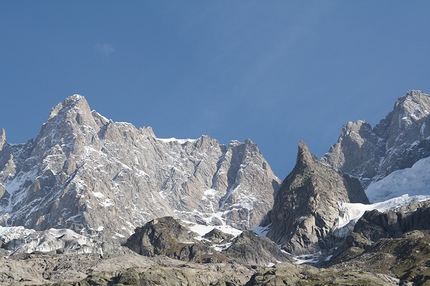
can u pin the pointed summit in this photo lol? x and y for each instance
(104, 178)
(306, 208)
(304, 156)
(75, 101)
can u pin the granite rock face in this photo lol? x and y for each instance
(306, 209)
(395, 143)
(103, 178)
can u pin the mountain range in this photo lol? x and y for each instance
(103, 178)
(90, 189)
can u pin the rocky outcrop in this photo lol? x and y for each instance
(250, 249)
(375, 225)
(132, 269)
(217, 236)
(306, 209)
(395, 143)
(307, 275)
(103, 178)
(166, 236)
(405, 257)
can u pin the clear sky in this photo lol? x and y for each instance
(276, 72)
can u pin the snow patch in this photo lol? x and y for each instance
(307, 258)
(350, 213)
(180, 141)
(204, 229)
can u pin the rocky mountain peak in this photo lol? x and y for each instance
(396, 142)
(76, 102)
(104, 178)
(306, 209)
(304, 156)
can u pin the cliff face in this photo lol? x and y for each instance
(104, 178)
(306, 208)
(395, 143)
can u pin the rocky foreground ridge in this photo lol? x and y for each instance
(165, 252)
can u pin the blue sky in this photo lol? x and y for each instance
(273, 71)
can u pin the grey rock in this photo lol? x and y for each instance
(167, 236)
(374, 225)
(217, 236)
(103, 178)
(250, 249)
(395, 143)
(307, 275)
(306, 209)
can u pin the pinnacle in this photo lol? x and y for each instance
(413, 92)
(304, 156)
(2, 138)
(74, 99)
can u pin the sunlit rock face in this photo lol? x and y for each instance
(395, 143)
(104, 178)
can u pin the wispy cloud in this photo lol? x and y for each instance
(104, 49)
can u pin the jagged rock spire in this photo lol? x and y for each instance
(2, 138)
(304, 156)
(306, 207)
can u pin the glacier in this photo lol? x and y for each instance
(395, 190)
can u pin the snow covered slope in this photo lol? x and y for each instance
(395, 190)
(414, 181)
(20, 240)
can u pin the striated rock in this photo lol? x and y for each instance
(103, 178)
(306, 209)
(395, 143)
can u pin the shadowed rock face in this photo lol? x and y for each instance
(250, 249)
(306, 207)
(104, 178)
(395, 143)
(167, 236)
(375, 225)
